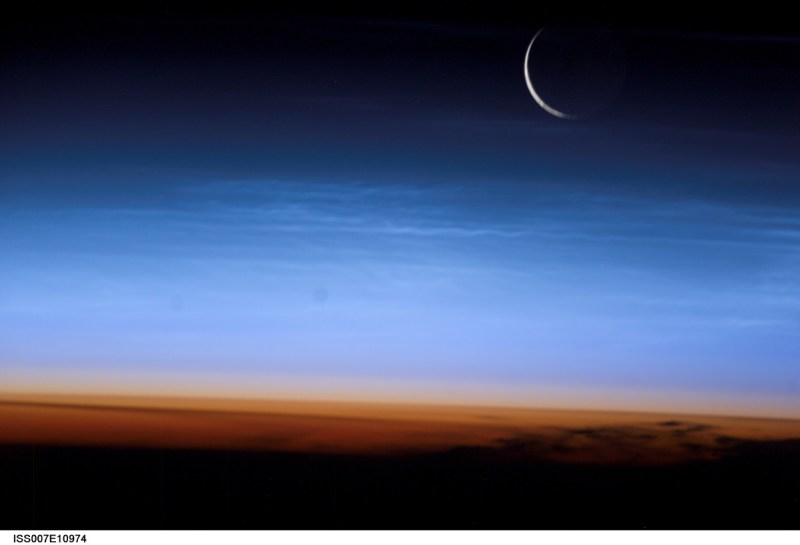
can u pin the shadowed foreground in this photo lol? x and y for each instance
(125, 463)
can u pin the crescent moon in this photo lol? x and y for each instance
(546, 107)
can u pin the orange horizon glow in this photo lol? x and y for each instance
(210, 386)
(371, 428)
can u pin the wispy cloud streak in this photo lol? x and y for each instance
(390, 278)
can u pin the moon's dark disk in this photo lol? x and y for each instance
(574, 72)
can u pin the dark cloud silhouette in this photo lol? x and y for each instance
(212, 465)
(381, 430)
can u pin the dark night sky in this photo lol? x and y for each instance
(356, 192)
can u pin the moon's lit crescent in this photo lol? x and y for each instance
(547, 108)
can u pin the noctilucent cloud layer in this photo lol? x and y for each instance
(383, 199)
